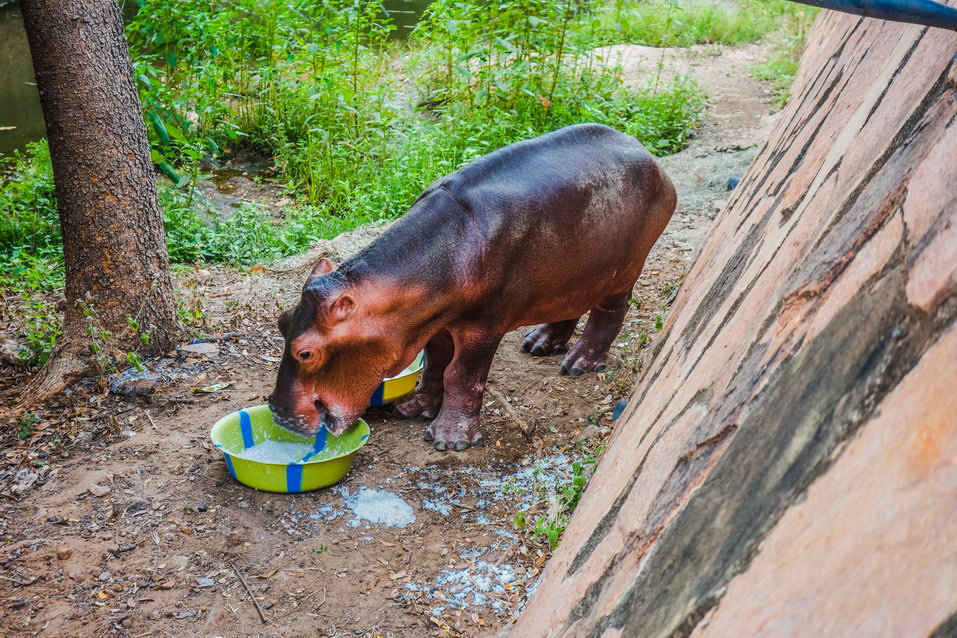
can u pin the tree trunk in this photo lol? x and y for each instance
(117, 268)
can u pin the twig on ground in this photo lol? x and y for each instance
(22, 583)
(522, 424)
(249, 591)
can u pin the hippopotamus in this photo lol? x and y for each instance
(538, 232)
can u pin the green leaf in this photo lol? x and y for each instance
(168, 170)
(176, 132)
(158, 126)
(216, 387)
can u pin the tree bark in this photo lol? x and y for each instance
(785, 466)
(114, 249)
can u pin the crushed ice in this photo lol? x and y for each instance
(377, 506)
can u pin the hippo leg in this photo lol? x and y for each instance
(590, 353)
(549, 338)
(457, 425)
(427, 399)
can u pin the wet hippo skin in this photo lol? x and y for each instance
(539, 232)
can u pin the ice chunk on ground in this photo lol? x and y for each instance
(437, 506)
(377, 506)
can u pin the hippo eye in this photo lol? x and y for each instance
(304, 355)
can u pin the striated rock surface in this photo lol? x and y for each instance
(787, 465)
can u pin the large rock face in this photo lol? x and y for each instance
(788, 463)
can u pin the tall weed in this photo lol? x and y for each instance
(668, 23)
(781, 66)
(508, 70)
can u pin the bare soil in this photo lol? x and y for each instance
(117, 516)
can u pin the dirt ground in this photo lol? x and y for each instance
(118, 517)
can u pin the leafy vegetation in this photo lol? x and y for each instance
(355, 124)
(26, 426)
(30, 255)
(500, 72)
(317, 87)
(666, 23)
(29, 225)
(558, 496)
(781, 67)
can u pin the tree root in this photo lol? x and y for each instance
(66, 366)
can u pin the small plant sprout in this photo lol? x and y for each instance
(27, 425)
(558, 497)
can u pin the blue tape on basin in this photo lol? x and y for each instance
(246, 426)
(318, 445)
(377, 398)
(229, 464)
(293, 478)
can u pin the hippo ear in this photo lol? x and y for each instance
(341, 307)
(322, 267)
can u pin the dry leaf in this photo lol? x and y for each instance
(441, 625)
(268, 574)
(216, 387)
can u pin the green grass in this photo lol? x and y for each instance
(666, 23)
(781, 67)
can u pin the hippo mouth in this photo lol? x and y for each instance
(305, 426)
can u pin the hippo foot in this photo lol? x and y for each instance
(549, 338)
(455, 435)
(581, 359)
(421, 404)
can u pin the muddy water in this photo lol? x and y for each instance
(20, 118)
(405, 14)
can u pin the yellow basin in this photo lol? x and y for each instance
(328, 461)
(399, 385)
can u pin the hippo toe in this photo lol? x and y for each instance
(455, 435)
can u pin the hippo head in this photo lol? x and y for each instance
(337, 351)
